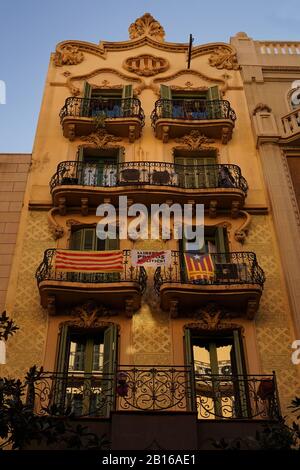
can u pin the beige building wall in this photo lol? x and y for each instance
(13, 177)
(152, 336)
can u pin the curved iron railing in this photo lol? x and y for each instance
(237, 397)
(155, 388)
(229, 268)
(192, 110)
(153, 173)
(47, 271)
(107, 108)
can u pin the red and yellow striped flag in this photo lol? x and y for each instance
(89, 261)
(199, 266)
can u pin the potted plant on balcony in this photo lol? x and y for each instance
(266, 388)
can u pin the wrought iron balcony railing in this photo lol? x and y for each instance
(107, 108)
(47, 271)
(155, 388)
(192, 110)
(152, 173)
(228, 268)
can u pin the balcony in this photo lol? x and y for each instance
(114, 290)
(75, 180)
(291, 126)
(237, 283)
(175, 118)
(178, 389)
(121, 117)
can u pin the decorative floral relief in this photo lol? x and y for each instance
(146, 25)
(222, 58)
(68, 55)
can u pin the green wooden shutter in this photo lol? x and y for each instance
(220, 240)
(76, 240)
(166, 94)
(213, 93)
(213, 108)
(127, 103)
(89, 239)
(109, 367)
(85, 104)
(240, 386)
(61, 367)
(189, 361)
(127, 91)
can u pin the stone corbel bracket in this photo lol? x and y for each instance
(241, 233)
(56, 229)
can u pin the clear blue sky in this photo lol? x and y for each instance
(30, 29)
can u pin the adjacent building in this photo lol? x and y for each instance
(271, 75)
(163, 356)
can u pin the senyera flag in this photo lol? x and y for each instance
(89, 261)
(199, 266)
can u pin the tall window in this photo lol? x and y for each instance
(219, 370)
(196, 169)
(85, 366)
(190, 104)
(98, 167)
(107, 103)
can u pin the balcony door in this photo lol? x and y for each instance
(98, 167)
(106, 103)
(218, 363)
(191, 105)
(197, 172)
(85, 239)
(86, 361)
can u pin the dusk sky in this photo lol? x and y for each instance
(31, 29)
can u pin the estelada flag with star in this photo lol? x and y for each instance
(199, 266)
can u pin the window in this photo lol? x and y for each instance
(215, 241)
(190, 104)
(85, 367)
(98, 167)
(85, 239)
(219, 369)
(196, 169)
(108, 103)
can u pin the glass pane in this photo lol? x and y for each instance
(98, 350)
(224, 359)
(201, 360)
(76, 356)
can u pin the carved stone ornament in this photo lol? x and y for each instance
(56, 229)
(211, 318)
(194, 140)
(146, 65)
(68, 55)
(222, 58)
(241, 233)
(100, 138)
(146, 25)
(261, 107)
(88, 313)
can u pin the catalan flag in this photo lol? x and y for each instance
(199, 266)
(89, 261)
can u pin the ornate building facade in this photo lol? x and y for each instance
(158, 357)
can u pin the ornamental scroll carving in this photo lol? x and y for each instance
(68, 55)
(193, 141)
(146, 25)
(146, 65)
(212, 317)
(100, 138)
(223, 58)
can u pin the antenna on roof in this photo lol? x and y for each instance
(190, 51)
